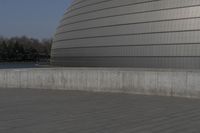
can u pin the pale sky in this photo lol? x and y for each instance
(33, 18)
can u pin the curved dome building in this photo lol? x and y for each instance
(129, 33)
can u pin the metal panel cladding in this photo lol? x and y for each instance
(129, 33)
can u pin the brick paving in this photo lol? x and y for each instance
(51, 111)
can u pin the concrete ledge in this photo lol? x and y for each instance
(165, 82)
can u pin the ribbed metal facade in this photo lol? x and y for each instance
(129, 33)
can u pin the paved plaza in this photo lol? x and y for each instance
(51, 111)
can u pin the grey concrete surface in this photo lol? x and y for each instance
(58, 111)
(165, 82)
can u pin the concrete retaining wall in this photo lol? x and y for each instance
(184, 83)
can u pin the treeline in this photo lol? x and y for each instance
(24, 49)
